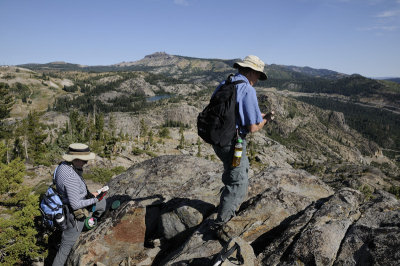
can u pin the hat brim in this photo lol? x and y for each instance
(263, 75)
(71, 157)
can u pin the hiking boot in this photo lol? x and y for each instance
(225, 233)
(214, 226)
(211, 227)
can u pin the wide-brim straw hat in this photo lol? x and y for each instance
(78, 151)
(253, 62)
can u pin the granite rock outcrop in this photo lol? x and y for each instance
(288, 217)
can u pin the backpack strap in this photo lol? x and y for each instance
(55, 183)
(54, 175)
(49, 201)
(229, 80)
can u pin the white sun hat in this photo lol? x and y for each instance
(253, 62)
(78, 151)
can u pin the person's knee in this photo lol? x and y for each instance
(65, 249)
(100, 208)
(101, 204)
(67, 244)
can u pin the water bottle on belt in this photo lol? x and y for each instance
(61, 221)
(237, 155)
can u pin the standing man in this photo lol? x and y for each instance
(250, 119)
(74, 193)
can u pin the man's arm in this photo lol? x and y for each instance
(266, 117)
(256, 127)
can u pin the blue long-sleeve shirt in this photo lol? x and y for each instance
(72, 188)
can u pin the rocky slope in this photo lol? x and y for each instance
(289, 217)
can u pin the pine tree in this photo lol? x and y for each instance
(21, 132)
(99, 126)
(90, 130)
(36, 137)
(64, 138)
(198, 147)
(78, 126)
(12, 174)
(143, 128)
(111, 125)
(18, 149)
(164, 133)
(182, 140)
(6, 103)
(150, 139)
(18, 237)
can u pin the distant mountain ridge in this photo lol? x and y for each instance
(162, 59)
(324, 73)
(394, 79)
(211, 71)
(57, 65)
(161, 62)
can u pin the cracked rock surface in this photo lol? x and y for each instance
(289, 217)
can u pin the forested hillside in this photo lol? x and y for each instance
(173, 70)
(376, 124)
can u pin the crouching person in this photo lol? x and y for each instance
(74, 193)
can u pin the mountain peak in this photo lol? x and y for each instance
(157, 55)
(58, 63)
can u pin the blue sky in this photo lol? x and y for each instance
(348, 36)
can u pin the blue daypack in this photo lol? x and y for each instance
(51, 204)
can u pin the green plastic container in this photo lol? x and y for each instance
(115, 204)
(90, 223)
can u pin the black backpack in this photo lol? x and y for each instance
(216, 124)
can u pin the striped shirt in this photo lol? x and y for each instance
(72, 187)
